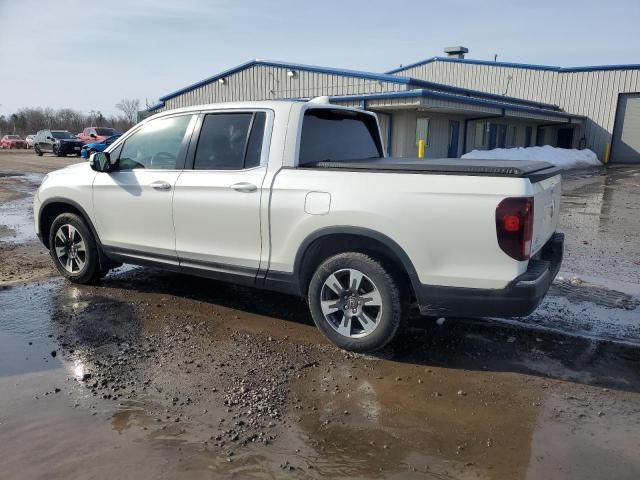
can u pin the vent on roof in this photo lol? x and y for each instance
(456, 52)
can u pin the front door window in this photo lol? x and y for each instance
(157, 145)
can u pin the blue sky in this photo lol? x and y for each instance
(88, 55)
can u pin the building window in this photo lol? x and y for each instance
(540, 137)
(512, 133)
(422, 131)
(481, 134)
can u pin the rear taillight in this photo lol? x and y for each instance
(514, 226)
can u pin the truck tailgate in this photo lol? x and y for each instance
(546, 210)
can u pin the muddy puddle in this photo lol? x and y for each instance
(17, 207)
(168, 375)
(22, 257)
(600, 215)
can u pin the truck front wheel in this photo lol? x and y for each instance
(73, 249)
(356, 302)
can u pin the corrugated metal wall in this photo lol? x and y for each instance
(590, 93)
(262, 82)
(595, 95)
(535, 85)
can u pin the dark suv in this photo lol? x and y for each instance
(58, 142)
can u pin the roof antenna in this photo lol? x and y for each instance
(495, 57)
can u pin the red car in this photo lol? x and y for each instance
(97, 134)
(12, 141)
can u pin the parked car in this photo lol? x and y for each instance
(58, 142)
(12, 141)
(89, 148)
(29, 140)
(97, 134)
(298, 197)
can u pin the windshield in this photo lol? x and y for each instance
(106, 132)
(13, 136)
(61, 134)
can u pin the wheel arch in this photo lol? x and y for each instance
(330, 241)
(55, 206)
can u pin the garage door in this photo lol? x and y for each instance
(626, 136)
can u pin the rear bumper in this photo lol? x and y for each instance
(70, 148)
(520, 298)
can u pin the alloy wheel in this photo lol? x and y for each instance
(70, 248)
(351, 303)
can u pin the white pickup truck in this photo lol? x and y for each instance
(298, 197)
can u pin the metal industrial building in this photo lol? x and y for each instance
(456, 104)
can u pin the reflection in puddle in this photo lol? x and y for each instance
(601, 218)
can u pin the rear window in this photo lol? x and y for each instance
(338, 136)
(60, 134)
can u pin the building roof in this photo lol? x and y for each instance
(529, 66)
(384, 77)
(503, 103)
(296, 66)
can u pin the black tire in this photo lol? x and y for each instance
(57, 152)
(38, 151)
(90, 271)
(388, 319)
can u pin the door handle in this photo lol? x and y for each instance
(244, 187)
(160, 185)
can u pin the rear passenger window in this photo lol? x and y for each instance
(230, 141)
(332, 135)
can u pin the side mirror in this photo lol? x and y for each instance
(101, 162)
(93, 135)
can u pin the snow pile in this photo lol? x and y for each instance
(564, 158)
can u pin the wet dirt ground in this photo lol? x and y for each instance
(158, 375)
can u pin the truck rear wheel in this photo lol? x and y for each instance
(356, 302)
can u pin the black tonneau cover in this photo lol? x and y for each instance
(534, 170)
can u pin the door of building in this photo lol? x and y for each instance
(454, 134)
(626, 133)
(565, 138)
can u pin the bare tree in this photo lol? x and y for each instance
(29, 120)
(129, 107)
